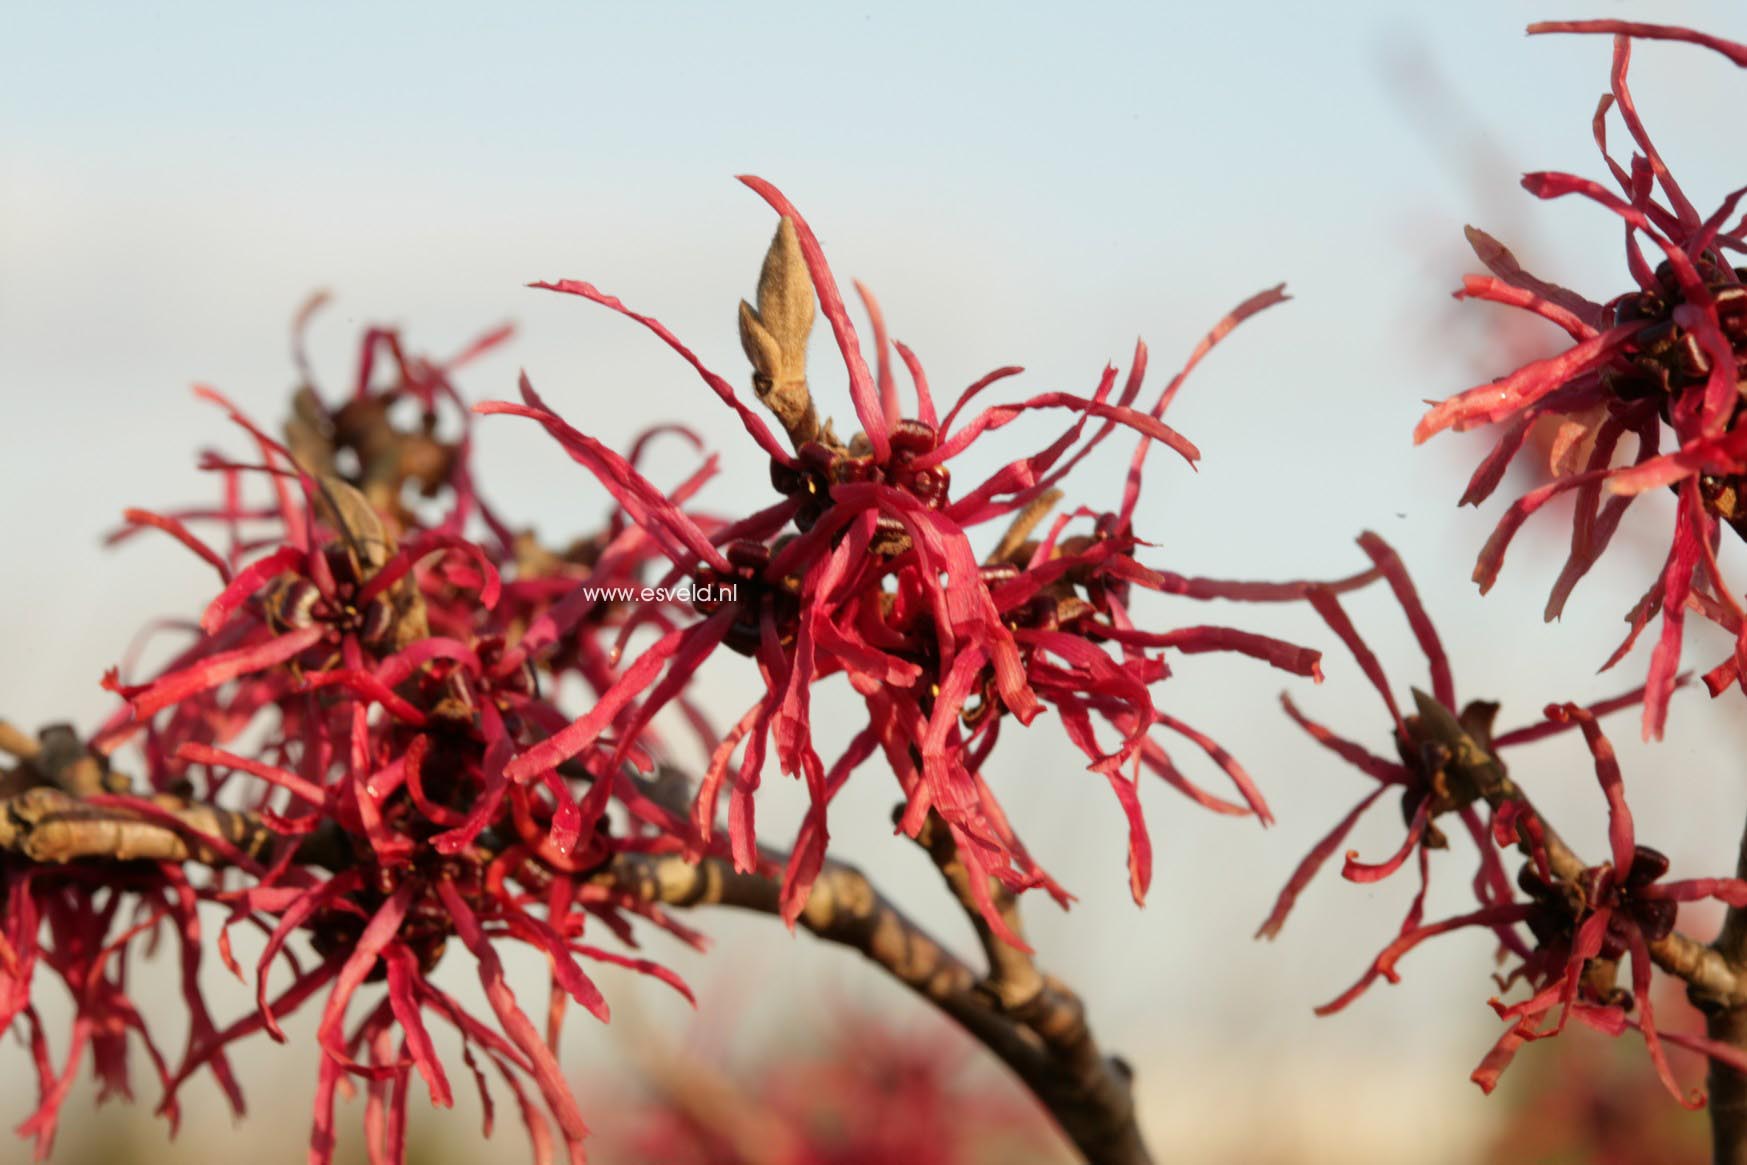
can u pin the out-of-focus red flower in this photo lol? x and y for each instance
(85, 926)
(1665, 357)
(864, 567)
(871, 1095)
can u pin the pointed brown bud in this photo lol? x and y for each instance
(370, 544)
(774, 335)
(785, 295)
(359, 525)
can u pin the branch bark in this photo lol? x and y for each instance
(1090, 1093)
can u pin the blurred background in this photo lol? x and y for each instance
(1019, 184)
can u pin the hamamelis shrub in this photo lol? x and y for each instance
(361, 749)
(357, 750)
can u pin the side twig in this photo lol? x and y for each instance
(1089, 1093)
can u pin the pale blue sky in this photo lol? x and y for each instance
(1021, 183)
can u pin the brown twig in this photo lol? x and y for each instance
(57, 758)
(16, 743)
(1013, 981)
(63, 804)
(1089, 1093)
(52, 827)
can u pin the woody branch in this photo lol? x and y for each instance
(1089, 1092)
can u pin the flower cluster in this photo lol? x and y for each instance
(359, 686)
(863, 567)
(1666, 357)
(83, 926)
(1581, 920)
(359, 735)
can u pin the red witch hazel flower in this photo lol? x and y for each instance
(1581, 920)
(1432, 781)
(1668, 356)
(368, 653)
(864, 567)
